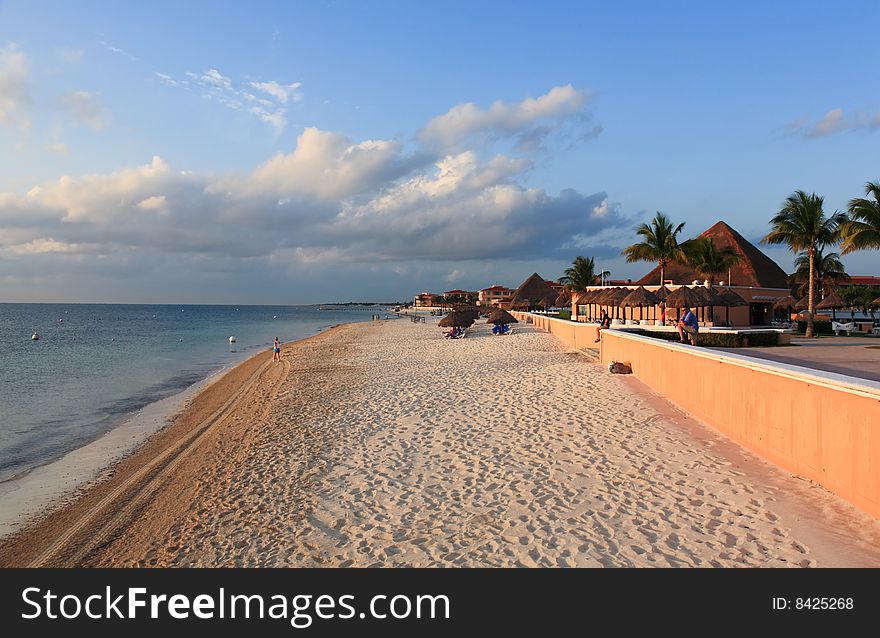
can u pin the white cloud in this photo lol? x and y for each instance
(43, 246)
(329, 201)
(465, 120)
(223, 90)
(86, 108)
(281, 92)
(156, 203)
(58, 149)
(167, 79)
(118, 51)
(15, 94)
(834, 121)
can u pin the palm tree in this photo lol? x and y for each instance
(659, 243)
(581, 274)
(862, 230)
(707, 259)
(801, 224)
(829, 269)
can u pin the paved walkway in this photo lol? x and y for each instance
(853, 356)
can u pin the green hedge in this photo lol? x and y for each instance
(565, 313)
(719, 339)
(819, 327)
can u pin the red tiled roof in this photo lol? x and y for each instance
(495, 287)
(753, 269)
(860, 280)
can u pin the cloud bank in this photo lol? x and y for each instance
(331, 200)
(835, 121)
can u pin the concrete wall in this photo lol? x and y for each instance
(822, 426)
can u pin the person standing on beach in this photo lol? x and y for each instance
(662, 314)
(689, 325)
(276, 350)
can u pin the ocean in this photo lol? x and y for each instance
(95, 365)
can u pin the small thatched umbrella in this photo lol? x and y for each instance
(588, 297)
(662, 292)
(564, 299)
(731, 300)
(613, 298)
(640, 297)
(501, 317)
(686, 297)
(711, 298)
(832, 302)
(803, 303)
(533, 288)
(457, 319)
(785, 303)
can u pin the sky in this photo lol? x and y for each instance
(326, 151)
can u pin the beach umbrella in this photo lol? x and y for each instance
(686, 297)
(662, 292)
(457, 319)
(785, 303)
(832, 302)
(640, 297)
(803, 303)
(501, 317)
(612, 297)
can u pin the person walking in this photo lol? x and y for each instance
(276, 350)
(690, 326)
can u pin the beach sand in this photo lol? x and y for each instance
(383, 444)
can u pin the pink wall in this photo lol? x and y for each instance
(821, 426)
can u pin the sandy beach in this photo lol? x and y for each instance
(383, 444)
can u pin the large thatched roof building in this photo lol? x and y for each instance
(534, 291)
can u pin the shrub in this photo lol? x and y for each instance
(819, 327)
(565, 313)
(719, 340)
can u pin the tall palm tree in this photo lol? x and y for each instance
(707, 259)
(801, 224)
(660, 243)
(829, 269)
(862, 230)
(581, 274)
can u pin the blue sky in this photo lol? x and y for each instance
(322, 151)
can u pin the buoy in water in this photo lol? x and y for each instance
(35, 337)
(231, 339)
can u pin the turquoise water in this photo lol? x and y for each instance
(96, 364)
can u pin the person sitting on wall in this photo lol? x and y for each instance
(604, 324)
(689, 325)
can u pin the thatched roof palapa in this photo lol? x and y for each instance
(662, 292)
(641, 296)
(785, 303)
(501, 316)
(686, 297)
(876, 302)
(832, 301)
(535, 287)
(456, 318)
(803, 303)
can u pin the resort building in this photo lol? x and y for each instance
(425, 300)
(493, 295)
(756, 279)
